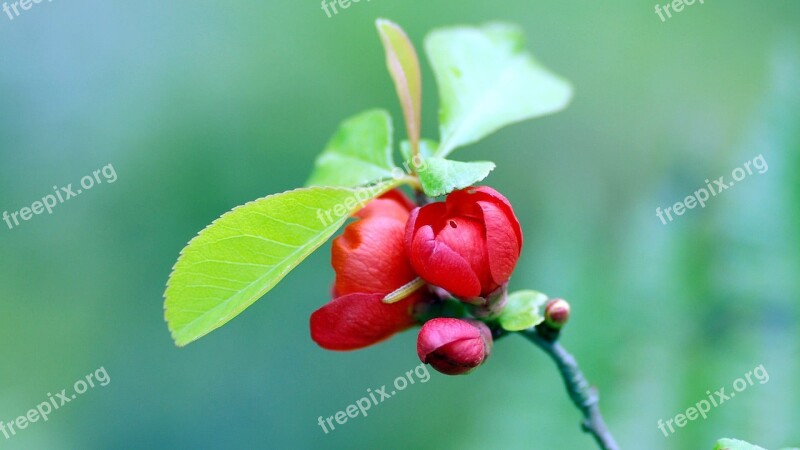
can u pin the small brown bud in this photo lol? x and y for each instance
(556, 313)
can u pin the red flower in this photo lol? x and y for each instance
(370, 261)
(468, 245)
(454, 346)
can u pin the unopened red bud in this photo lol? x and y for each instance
(454, 346)
(556, 313)
(468, 245)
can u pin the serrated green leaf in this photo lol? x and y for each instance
(246, 252)
(403, 65)
(359, 153)
(441, 176)
(524, 309)
(487, 81)
(734, 444)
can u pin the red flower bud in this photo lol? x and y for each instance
(468, 245)
(370, 262)
(556, 313)
(454, 346)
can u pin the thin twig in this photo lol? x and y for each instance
(584, 396)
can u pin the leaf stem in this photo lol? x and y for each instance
(584, 396)
(414, 156)
(413, 181)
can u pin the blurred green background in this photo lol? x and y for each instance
(202, 106)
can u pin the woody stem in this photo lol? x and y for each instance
(584, 396)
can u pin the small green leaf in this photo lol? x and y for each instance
(359, 153)
(246, 252)
(524, 309)
(734, 444)
(440, 176)
(403, 65)
(487, 81)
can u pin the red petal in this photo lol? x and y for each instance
(471, 353)
(472, 195)
(369, 257)
(462, 203)
(355, 321)
(411, 228)
(398, 196)
(466, 237)
(501, 241)
(439, 265)
(433, 214)
(437, 333)
(383, 207)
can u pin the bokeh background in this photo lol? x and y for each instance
(203, 105)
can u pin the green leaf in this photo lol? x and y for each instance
(440, 176)
(487, 81)
(359, 153)
(734, 444)
(403, 65)
(524, 309)
(246, 252)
